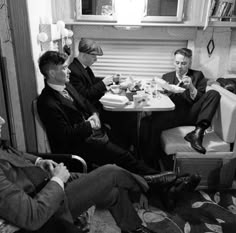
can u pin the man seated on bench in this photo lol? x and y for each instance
(194, 106)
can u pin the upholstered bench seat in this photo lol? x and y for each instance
(173, 141)
(217, 166)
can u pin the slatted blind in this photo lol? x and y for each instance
(138, 58)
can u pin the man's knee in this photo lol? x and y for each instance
(110, 169)
(213, 94)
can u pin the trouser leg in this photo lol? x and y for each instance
(204, 109)
(106, 187)
(125, 216)
(160, 121)
(57, 225)
(114, 154)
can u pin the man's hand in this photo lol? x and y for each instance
(61, 172)
(94, 121)
(187, 82)
(108, 80)
(47, 165)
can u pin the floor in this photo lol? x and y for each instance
(102, 222)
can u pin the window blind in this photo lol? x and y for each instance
(142, 59)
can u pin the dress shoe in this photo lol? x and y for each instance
(161, 179)
(195, 138)
(187, 183)
(141, 229)
(183, 183)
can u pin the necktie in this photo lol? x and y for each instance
(90, 74)
(66, 95)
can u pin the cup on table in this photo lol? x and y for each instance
(116, 79)
(140, 100)
(130, 94)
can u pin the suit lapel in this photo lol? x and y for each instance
(172, 79)
(77, 98)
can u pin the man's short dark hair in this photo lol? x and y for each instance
(184, 51)
(51, 58)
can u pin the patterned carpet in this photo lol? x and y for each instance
(198, 212)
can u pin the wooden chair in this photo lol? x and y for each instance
(44, 147)
(217, 166)
(45, 152)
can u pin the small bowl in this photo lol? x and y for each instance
(115, 89)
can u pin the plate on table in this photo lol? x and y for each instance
(177, 89)
(173, 88)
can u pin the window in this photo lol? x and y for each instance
(164, 10)
(110, 10)
(142, 59)
(95, 10)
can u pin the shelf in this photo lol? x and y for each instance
(216, 22)
(161, 24)
(222, 24)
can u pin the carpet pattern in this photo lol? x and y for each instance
(197, 212)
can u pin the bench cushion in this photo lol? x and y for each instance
(173, 141)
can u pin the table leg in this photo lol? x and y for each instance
(139, 118)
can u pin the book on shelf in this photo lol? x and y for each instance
(221, 9)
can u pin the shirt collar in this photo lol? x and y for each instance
(55, 87)
(81, 63)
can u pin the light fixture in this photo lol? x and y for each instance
(130, 12)
(42, 37)
(54, 36)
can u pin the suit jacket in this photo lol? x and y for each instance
(20, 202)
(64, 120)
(198, 80)
(86, 83)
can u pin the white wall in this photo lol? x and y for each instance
(216, 65)
(39, 12)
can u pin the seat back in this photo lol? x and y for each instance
(224, 121)
(42, 139)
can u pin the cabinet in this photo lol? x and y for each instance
(222, 13)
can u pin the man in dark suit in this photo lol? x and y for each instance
(70, 121)
(194, 106)
(123, 125)
(41, 196)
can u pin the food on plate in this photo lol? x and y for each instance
(176, 89)
(136, 86)
(127, 83)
